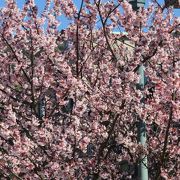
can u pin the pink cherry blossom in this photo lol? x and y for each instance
(70, 101)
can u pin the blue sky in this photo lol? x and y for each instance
(64, 21)
(40, 4)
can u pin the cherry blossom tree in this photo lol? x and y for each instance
(70, 100)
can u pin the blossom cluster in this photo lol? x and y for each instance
(70, 101)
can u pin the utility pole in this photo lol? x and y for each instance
(141, 135)
(143, 165)
(174, 3)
